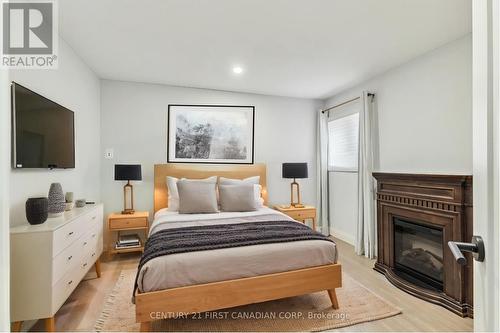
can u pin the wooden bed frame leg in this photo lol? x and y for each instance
(146, 326)
(333, 298)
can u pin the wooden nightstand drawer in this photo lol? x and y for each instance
(127, 223)
(303, 214)
(300, 214)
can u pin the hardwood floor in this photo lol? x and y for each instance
(82, 309)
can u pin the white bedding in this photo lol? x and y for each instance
(199, 267)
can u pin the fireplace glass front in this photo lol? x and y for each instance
(418, 253)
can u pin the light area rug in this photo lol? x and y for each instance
(311, 312)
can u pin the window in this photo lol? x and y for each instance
(343, 137)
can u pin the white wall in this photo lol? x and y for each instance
(423, 121)
(76, 87)
(424, 112)
(4, 202)
(134, 118)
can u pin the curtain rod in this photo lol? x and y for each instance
(349, 101)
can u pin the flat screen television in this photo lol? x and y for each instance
(43, 132)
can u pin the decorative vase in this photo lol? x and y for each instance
(37, 210)
(57, 204)
(69, 197)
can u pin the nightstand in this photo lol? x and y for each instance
(299, 214)
(125, 222)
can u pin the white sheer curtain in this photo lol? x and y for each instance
(366, 227)
(322, 173)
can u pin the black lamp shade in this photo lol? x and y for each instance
(128, 172)
(294, 170)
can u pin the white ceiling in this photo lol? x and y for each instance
(299, 48)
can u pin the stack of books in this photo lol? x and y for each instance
(128, 242)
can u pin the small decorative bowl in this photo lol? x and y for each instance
(80, 203)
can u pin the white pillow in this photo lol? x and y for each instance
(255, 180)
(173, 192)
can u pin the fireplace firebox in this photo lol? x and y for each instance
(418, 253)
(416, 217)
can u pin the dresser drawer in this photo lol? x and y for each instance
(64, 287)
(95, 254)
(67, 260)
(93, 217)
(67, 235)
(87, 241)
(303, 214)
(86, 263)
(127, 223)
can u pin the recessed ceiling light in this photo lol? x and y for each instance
(237, 70)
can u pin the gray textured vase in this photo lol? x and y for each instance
(57, 204)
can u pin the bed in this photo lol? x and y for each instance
(209, 280)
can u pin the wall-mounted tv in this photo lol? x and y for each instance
(43, 132)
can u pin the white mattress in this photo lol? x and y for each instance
(183, 269)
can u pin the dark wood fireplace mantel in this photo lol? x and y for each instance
(442, 202)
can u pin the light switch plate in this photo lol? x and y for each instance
(108, 153)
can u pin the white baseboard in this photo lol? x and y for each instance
(348, 238)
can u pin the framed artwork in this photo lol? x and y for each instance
(210, 134)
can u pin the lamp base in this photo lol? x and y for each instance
(128, 207)
(293, 203)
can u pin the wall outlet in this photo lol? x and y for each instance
(108, 153)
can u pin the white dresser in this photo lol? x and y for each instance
(49, 260)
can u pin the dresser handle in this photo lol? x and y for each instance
(70, 257)
(93, 254)
(93, 235)
(84, 243)
(70, 233)
(84, 265)
(70, 282)
(93, 217)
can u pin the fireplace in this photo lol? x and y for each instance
(418, 253)
(416, 217)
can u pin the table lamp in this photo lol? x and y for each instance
(294, 170)
(128, 172)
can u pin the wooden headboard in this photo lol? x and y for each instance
(199, 171)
